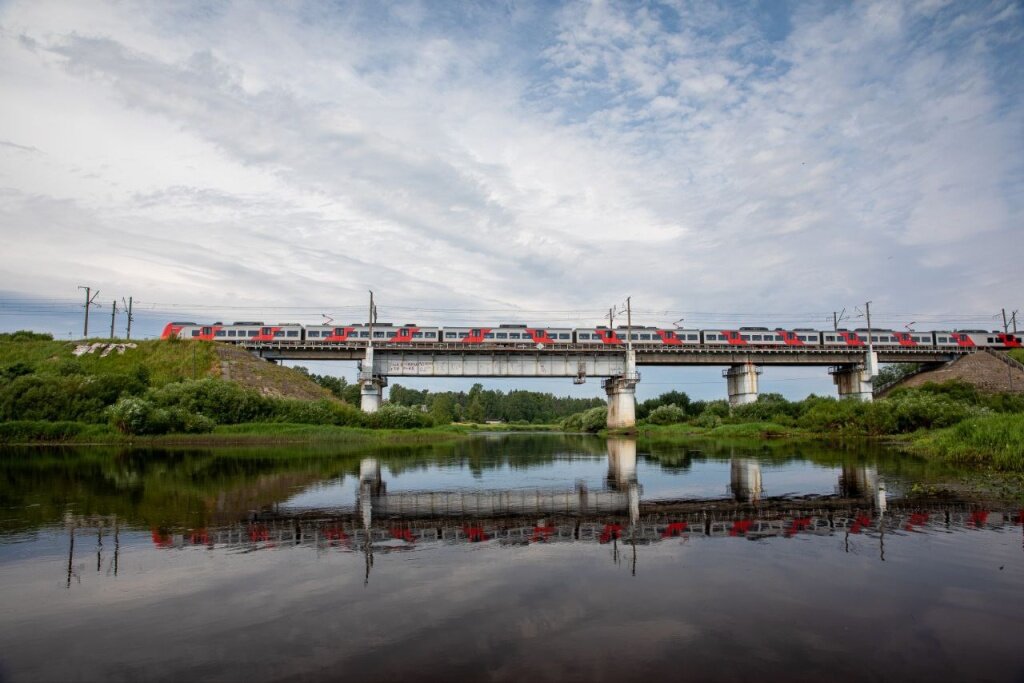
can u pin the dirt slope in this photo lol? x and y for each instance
(981, 369)
(238, 365)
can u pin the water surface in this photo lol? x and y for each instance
(507, 557)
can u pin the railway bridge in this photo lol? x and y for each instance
(852, 368)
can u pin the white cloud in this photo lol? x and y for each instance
(514, 156)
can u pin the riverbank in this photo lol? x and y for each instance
(42, 433)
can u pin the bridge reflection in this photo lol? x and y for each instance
(383, 521)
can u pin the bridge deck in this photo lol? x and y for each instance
(454, 359)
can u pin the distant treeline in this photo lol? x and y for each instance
(476, 405)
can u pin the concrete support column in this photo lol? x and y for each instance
(742, 382)
(370, 394)
(371, 484)
(745, 480)
(621, 402)
(622, 473)
(371, 384)
(852, 381)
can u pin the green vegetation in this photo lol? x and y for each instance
(952, 420)
(47, 393)
(479, 405)
(1017, 355)
(990, 440)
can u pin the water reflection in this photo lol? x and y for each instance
(507, 558)
(383, 521)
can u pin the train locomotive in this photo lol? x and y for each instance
(509, 335)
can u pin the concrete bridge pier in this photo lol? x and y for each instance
(621, 402)
(852, 381)
(370, 393)
(742, 383)
(621, 390)
(745, 480)
(622, 473)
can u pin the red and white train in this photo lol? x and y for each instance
(523, 335)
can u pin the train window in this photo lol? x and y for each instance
(645, 337)
(563, 335)
(583, 335)
(195, 333)
(417, 335)
(220, 333)
(489, 335)
(501, 335)
(230, 333)
(379, 335)
(756, 337)
(829, 338)
(391, 335)
(745, 337)
(364, 334)
(312, 334)
(451, 335)
(254, 333)
(991, 340)
(293, 333)
(515, 335)
(279, 333)
(691, 337)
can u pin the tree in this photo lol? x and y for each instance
(475, 412)
(441, 409)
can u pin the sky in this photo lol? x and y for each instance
(762, 163)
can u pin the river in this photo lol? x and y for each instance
(503, 557)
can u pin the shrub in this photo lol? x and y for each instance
(316, 412)
(398, 417)
(38, 430)
(707, 420)
(134, 415)
(666, 415)
(223, 402)
(25, 335)
(595, 419)
(47, 397)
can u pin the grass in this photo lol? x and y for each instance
(166, 361)
(41, 432)
(995, 441)
(1017, 355)
(744, 430)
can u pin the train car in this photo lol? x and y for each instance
(799, 336)
(508, 335)
(744, 336)
(978, 339)
(383, 333)
(913, 339)
(234, 332)
(598, 336)
(842, 338)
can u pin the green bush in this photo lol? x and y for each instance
(707, 420)
(398, 417)
(996, 440)
(223, 402)
(666, 415)
(593, 420)
(48, 397)
(38, 430)
(134, 415)
(25, 335)
(316, 412)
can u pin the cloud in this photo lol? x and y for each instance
(544, 157)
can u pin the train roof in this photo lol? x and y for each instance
(248, 322)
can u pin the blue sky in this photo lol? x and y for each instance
(766, 163)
